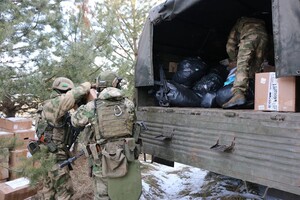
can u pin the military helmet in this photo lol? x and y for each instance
(62, 83)
(108, 79)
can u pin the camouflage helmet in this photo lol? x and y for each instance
(108, 79)
(63, 84)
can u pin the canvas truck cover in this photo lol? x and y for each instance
(165, 11)
(214, 14)
(286, 24)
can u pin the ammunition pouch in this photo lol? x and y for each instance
(114, 161)
(49, 143)
(94, 150)
(129, 149)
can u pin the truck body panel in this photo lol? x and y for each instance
(264, 146)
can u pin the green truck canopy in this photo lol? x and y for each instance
(201, 27)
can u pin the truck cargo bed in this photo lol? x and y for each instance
(265, 144)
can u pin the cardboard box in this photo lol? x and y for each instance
(6, 139)
(16, 190)
(3, 180)
(23, 137)
(15, 123)
(6, 134)
(16, 158)
(4, 160)
(275, 94)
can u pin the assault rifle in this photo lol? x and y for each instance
(69, 161)
(163, 91)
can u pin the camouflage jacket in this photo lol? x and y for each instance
(243, 28)
(86, 114)
(55, 109)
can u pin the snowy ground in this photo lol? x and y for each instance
(185, 183)
(163, 182)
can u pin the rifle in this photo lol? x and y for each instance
(69, 161)
(163, 91)
(72, 132)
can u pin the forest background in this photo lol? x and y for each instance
(41, 40)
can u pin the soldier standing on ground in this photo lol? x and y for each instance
(109, 142)
(245, 47)
(51, 126)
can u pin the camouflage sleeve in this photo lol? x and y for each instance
(67, 101)
(129, 105)
(232, 43)
(83, 115)
(130, 108)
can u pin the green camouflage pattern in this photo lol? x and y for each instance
(58, 184)
(85, 116)
(100, 182)
(111, 93)
(107, 79)
(247, 43)
(62, 83)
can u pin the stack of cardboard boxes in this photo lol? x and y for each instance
(16, 131)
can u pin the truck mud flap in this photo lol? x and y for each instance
(162, 161)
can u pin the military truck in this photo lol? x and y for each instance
(255, 146)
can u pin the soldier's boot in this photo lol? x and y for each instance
(238, 99)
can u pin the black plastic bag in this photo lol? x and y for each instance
(209, 83)
(209, 100)
(221, 70)
(224, 94)
(180, 96)
(189, 71)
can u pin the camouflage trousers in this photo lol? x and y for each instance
(249, 59)
(58, 185)
(100, 183)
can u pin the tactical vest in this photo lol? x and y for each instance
(113, 119)
(45, 129)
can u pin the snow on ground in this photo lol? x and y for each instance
(183, 182)
(164, 182)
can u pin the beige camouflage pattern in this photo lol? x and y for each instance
(58, 185)
(111, 93)
(85, 116)
(247, 43)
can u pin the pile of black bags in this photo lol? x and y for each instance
(194, 84)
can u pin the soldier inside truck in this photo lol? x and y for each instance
(201, 31)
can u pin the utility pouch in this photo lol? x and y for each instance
(49, 143)
(33, 147)
(129, 149)
(114, 162)
(95, 150)
(51, 146)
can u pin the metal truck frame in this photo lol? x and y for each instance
(255, 146)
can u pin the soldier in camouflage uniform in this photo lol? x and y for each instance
(52, 117)
(245, 47)
(94, 143)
